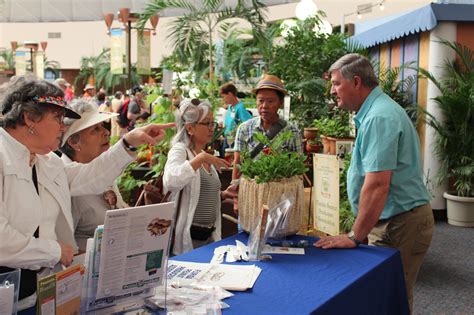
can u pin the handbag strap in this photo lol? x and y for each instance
(271, 133)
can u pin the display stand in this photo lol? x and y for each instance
(127, 259)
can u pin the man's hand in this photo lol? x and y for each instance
(338, 241)
(67, 254)
(150, 134)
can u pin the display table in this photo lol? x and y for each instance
(366, 280)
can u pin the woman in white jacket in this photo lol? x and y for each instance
(193, 171)
(86, 139)
(36, 227)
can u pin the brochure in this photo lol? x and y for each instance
(133, 249)
(229, 277)
(60, 293)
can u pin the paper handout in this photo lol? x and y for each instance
(134, 248)
(229, 277)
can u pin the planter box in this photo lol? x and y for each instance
(253, 196)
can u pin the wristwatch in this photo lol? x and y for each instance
(352, 237)
(128, 146)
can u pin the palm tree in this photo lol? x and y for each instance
(98, 67)
(192, 34)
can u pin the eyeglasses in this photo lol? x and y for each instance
(210, 124)
(58, 116)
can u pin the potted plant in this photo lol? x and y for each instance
(334, 128)
(454, 145)
(312, 146)
(275, 173)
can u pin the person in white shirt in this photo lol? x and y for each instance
(85, 139)
(191, 175)
(36, 228)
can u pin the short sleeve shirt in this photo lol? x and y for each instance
(387, 141)
(244, 138)
(133, 107)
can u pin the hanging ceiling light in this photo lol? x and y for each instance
(305, 9)
(359, 15)
(381, 6)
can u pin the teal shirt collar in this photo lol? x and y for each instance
(367, 105)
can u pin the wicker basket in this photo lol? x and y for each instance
(253, 196)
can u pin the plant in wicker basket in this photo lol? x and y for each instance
(274, 175)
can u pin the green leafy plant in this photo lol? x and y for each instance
(454, 146)
(346, 217)
(301, 62)
(335, 125)
(192, 33)
(274, 163)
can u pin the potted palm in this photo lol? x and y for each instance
(275, 174)
(454, 145)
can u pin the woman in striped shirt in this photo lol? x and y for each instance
(191, 175)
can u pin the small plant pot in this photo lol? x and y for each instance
(327, 145)
(312, 147)
(310, 133)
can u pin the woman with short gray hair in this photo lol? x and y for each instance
(191, 176)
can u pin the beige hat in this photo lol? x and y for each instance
(271, 82)
(61, 81)
(88, 119)
(88, 87)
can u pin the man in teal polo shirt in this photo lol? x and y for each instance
(385, 179)
(236, 111)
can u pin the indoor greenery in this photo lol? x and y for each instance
(454, 145)
(301, 62)
(274, 163)
(335, 124)
(346, 217)
(193, 33)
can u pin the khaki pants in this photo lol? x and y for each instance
(409, 232)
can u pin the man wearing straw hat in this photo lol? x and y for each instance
(270, 93)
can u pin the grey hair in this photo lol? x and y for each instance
(351, 65)
(79, 106)
(16, 99)
(189, 113)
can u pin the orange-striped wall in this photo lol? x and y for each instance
(423, 62)
(395, 54)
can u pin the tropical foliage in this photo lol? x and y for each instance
(192, 34)
(98, 68)
(274, 163)
(399, 89)
(454, 146)
(302, 60)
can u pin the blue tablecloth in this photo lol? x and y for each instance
(366, 280)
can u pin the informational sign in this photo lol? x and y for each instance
(39, 64)
(143, 53)
(117, 58)
(326, 193)
(134, 249)
(20, 62)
